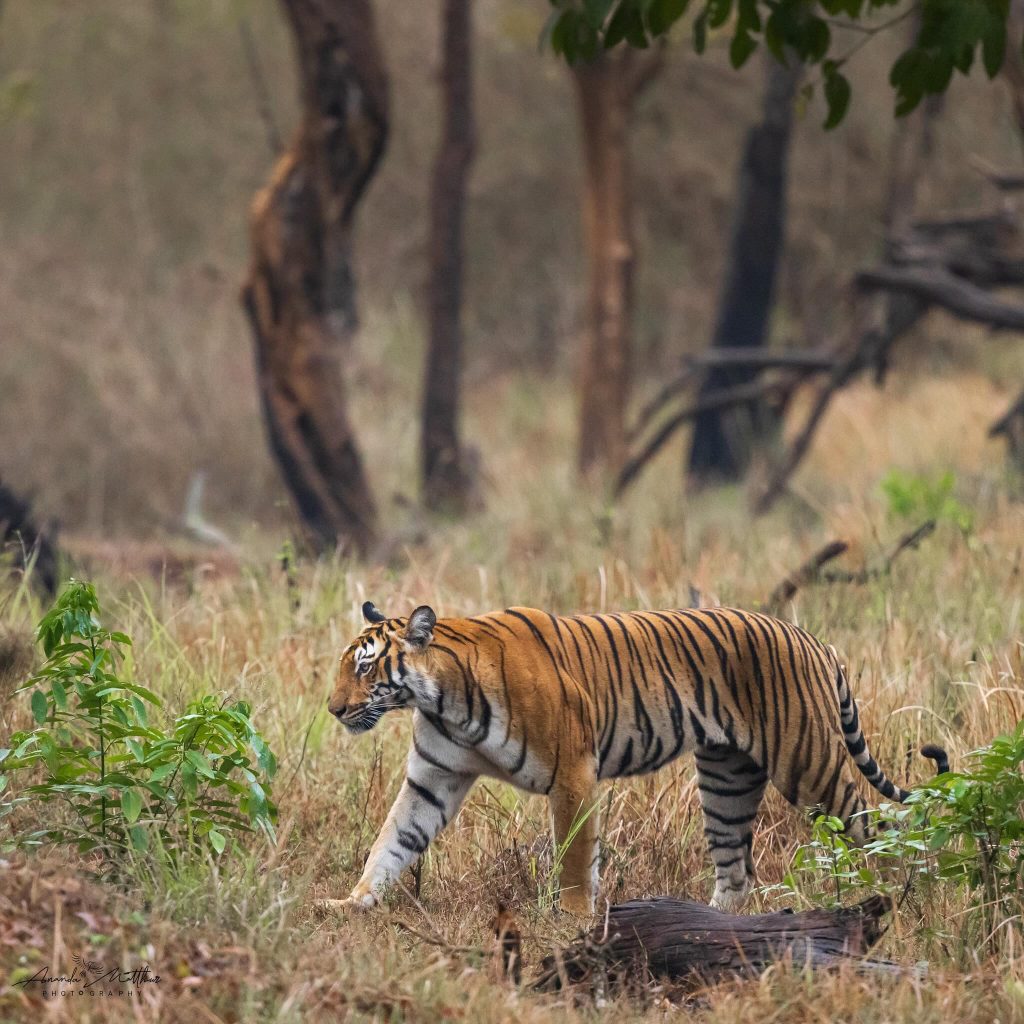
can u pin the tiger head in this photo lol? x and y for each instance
(386, 667)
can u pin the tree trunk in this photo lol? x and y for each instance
(604, 93)
(300, 293)
(723, 440)
(445, 478)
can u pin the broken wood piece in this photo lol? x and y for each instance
(812, 570)
(907, 542)
(806, 573)
(681, 939)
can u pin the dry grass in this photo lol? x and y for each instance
(935, 650)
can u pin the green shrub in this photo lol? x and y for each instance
(962, 829)
(918, 498)
(119, 782)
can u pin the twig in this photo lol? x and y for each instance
(721, 399)
(865, 575)
(1009, 181)
(808, 360)
(678, 384)
(805, 574)
(870, 350)
(910, 540)
(812, 572)
(1003, 424)
(438, 940)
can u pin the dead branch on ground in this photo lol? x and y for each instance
(683, 940)
(807, 573)
(813, 571)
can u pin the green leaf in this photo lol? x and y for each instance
(131, 805)
(837, 96)
(596, 11)
(742, 46)
(817, 39)
(217, 841)
(993, 47)
(718, 12)
(60, 695)
(700, 32)
(199, 762)
(139, 838)
(161, 773)
(663, 14)
(40, 706)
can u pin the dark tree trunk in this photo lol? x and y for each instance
(606, 90)
(300, 294)
(724, 439)
(445, 478)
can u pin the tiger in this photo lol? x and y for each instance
(554, 704)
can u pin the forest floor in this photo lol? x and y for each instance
(935, 654)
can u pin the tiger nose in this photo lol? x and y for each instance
(338, 710)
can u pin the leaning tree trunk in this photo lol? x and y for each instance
(300, 293)
(605, 95)
(723, 439)
(445, 478)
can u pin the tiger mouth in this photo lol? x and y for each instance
(362, 719)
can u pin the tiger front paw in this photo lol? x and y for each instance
(576, 902)
(355, 903)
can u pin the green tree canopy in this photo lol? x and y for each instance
(949, 36)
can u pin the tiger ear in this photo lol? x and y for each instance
(371, 614)
(420, 630)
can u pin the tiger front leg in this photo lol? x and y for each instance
(429, 798)
(574, 819)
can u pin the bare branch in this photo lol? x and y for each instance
(809, 360)
(939, 286)
(1003, 424)
(792, 359)
(720, 399)
(660, 400)
(1008, 181)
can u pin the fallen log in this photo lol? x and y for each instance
(682, 940)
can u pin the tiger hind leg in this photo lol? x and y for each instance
(731, 787)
